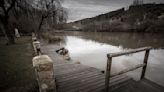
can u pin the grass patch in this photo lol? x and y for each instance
(16, 69)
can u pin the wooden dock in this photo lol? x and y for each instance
(143, 85)
(80, 78)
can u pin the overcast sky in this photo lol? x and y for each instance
(80, 9)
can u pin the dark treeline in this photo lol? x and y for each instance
(137, 17)
(30, 16)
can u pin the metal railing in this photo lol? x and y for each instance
(109, 63)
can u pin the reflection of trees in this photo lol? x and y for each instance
(126, 40)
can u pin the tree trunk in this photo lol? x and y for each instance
(4, 32)
(4, 18)
(39, 28)
(9, 32)
(10, 35)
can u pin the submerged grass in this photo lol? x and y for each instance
(16, 71)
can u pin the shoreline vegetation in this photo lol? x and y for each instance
(135, 18)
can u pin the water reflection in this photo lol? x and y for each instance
(126, 40)
(92, 52)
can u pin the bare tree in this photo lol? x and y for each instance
(28, 15)
(5, 7)
(48, 9)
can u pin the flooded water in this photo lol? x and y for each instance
(91, 49)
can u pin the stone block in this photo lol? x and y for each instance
(46, 75)
(45, 67)
(49, 82)
(41, 60)
(36, 45)
(34, 38)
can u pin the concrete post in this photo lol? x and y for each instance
(34, 38)
(45, 75)
(36, 46)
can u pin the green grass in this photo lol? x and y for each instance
(16, 69)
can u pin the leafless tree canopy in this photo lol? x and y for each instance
(29, 15)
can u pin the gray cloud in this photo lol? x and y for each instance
(79, 9)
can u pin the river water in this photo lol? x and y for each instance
(91, 48)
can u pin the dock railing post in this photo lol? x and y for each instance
(145, 62)
(108, 70)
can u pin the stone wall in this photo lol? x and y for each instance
(43, 65)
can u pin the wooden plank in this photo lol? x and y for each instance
(143, 85)
(78, 77)
(68, 66)
(126, 87)
(145, 62)
(152, 84)
(113, 85)
(91, 78)
(108, 70)
(72, 72)
(91, 83)
(77, 74)
(128, 52)
(79, 85)
(67, 69)
(101, 86)
(127, 70)
(82, 78)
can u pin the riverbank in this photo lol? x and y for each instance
(17, 73)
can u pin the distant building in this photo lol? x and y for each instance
(137, 2)
(126, 8)
(161, 16)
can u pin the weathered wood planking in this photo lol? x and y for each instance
(77, 77)
(129, 52)
(139, 86)
(80, 78)
(83, 80)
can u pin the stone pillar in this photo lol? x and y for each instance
(36, 46)
(45, 75)
(34, 38)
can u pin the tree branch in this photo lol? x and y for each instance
(2, 3)
(11, 6)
